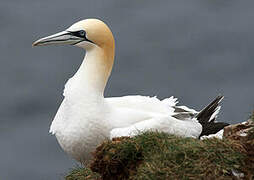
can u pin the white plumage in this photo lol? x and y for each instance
(85, 118)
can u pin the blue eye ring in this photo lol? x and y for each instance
(82, 33)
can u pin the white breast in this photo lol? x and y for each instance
(80, 123)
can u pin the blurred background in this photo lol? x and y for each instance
(193, 50)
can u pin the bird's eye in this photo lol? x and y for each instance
(82, 33)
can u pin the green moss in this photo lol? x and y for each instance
(82, 174)
(186, 158)
(154, 155)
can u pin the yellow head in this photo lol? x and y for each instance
(86, 34)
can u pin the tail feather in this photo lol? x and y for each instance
(207, 116)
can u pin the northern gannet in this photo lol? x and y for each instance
(85, 118)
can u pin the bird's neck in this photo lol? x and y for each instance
(95, 70)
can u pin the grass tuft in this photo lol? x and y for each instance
(80, 173)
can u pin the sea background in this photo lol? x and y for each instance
(193, 50)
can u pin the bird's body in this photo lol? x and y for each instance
(85, 118)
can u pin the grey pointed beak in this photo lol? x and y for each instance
(64, 37)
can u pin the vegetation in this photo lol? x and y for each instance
(155, 155)
(82, 174)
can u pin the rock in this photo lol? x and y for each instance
(242, 131)
(242, 136)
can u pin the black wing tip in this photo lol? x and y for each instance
(219, 98)
(209, 126)
(216, 101)
(212, 128)
(209, 109)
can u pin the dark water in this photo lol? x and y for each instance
(193, 50)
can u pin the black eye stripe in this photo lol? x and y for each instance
(80, 34)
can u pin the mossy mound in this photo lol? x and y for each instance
(155, 155)
(82, 174)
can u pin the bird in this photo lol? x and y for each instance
(86, 118)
